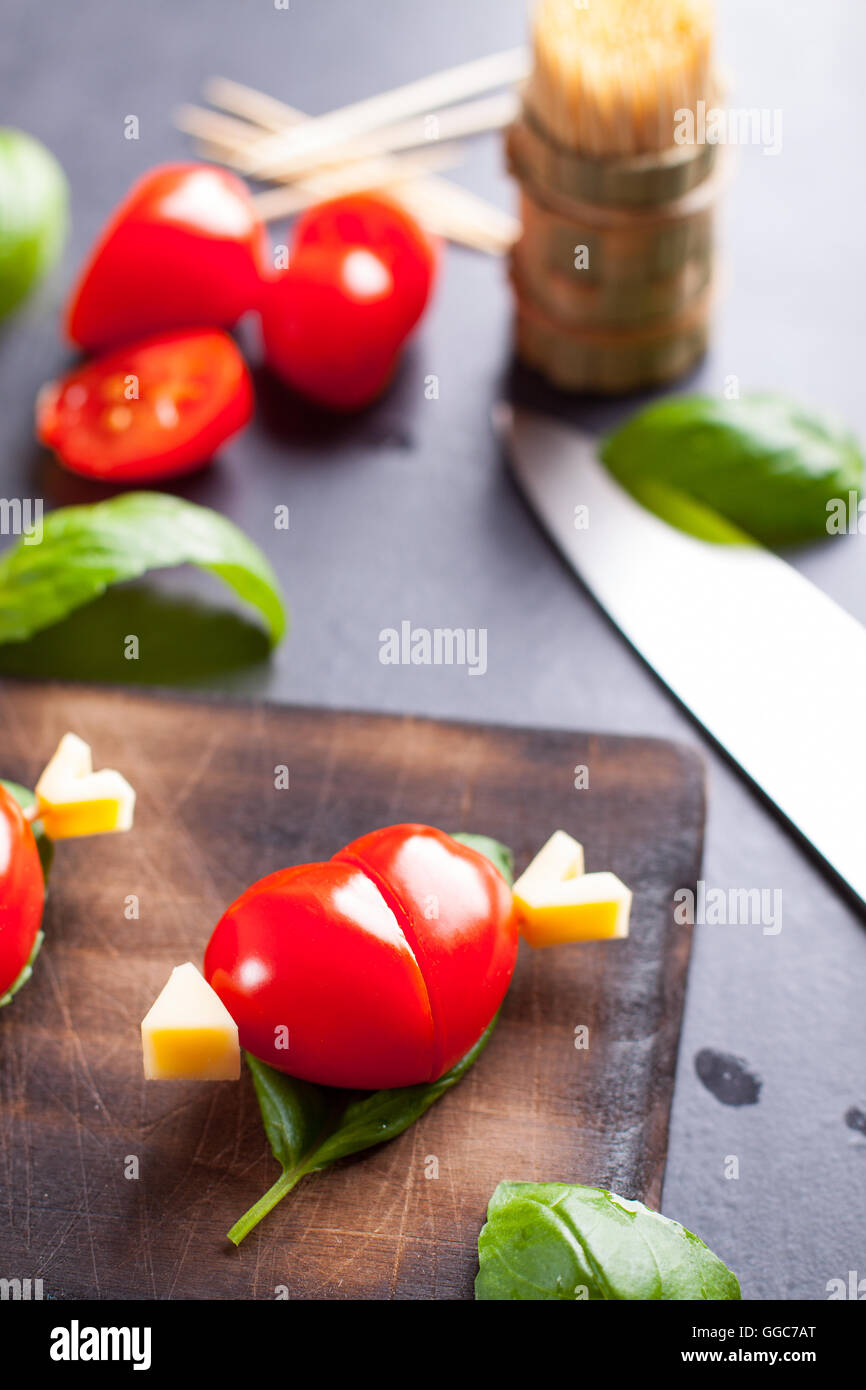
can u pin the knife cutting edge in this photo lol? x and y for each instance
(772, 668)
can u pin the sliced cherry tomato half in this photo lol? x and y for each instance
(333, 326)
(185, 249)
(22, 891)
(147, 411)
(389, 231)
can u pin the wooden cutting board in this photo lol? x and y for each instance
(75, 1111)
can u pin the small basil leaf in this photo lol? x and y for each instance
(548, 1241)
(310, 1127)
(760, 467)
(381, 1115)
(295, 1113)
(85, 549)
(498, 854)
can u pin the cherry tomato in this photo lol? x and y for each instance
(185, 249)
(456, 909)
(385, 228)
(333, 326)
(380, 968)
(22, 891)
(147, 411)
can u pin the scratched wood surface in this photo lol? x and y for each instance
(74, 1109)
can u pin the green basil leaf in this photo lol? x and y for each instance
(498, 854)
(761, 467)
(309, 1127)
(33, 202)
(378, 1116)
(547, 1241)
(25, 798)
(295, 1114)
(85, 549)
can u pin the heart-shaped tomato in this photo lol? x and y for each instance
(185, 249)
(380, 968)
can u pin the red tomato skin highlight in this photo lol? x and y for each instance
(316, 950)
(338, 348)
(374, 991)
(385, 228)
(22, 890)
(184, 249)
(202, 371)
(459, 919)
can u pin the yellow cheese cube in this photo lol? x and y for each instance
(74, 800)
(591, 907)
(560, 859)
(188, 1034)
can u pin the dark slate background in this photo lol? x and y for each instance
(407, 513)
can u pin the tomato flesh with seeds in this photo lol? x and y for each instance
(380, 968)
(147, 411)
(185, 249)
(22, 891)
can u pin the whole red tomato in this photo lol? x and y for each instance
(360, 275)
(185, 249)
(380, 968)
(147, 411)
(384, 227)
(22, 891)
(332, 326)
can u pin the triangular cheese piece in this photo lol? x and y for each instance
(74, 800)
(188, 1033)
(592, 907)
(561, 858)
(72, 758)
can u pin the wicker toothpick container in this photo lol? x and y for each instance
(613, 272)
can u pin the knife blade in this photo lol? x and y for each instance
(773, 669)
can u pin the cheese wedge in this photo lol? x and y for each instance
(591, 907)
(188, 1033)
(560, 859)
(74, 800)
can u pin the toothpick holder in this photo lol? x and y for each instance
(613, 272)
